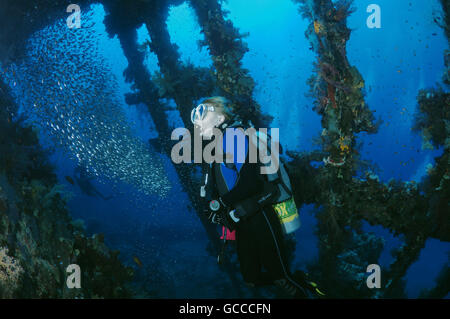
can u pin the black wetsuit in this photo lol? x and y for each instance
(260, 241)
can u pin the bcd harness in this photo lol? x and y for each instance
(277, 191)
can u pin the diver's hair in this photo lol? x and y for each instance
(222, 105)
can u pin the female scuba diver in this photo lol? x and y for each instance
(248, 204)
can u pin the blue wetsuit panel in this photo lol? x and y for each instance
(230, 175)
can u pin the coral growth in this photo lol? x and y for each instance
(39, 235)
(227, 49)
(36, 230)
(433, 116)
(195, 82)
(420, 211)
(10, 272)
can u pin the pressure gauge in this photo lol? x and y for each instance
(214, 205)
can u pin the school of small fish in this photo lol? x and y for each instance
(66, 88)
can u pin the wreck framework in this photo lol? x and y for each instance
(343, 201)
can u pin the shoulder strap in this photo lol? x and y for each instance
(280, 176)
(287, 189)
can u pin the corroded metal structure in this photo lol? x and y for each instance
(343, 199)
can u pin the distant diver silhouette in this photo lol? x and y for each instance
(83, 179)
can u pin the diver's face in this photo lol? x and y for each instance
(209, 122)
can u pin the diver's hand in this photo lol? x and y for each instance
(215, 218)
(230, 220)
(227, 219)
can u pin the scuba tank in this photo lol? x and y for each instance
(288, 215)
(284, 205)
(282, 200)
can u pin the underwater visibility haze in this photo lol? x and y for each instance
(91, 92)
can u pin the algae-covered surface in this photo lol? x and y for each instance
(359, 93)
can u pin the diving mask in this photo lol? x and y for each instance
(199, 112)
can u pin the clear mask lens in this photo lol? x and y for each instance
(199, 112)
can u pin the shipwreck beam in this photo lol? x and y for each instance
(338, 87)
(227, 49)
(148, 93)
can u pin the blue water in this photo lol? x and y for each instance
(395, 61)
